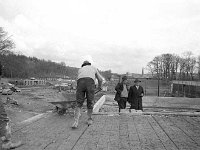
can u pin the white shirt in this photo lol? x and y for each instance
(124, 93)
(89, 71)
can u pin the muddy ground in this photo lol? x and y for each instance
(35, 100)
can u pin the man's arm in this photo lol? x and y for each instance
(117, 88)
(142, 91)
(130, 94)
(100, 79)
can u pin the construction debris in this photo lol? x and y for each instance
(11, 101)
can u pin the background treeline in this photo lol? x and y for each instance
(19, 66)
(175, 67)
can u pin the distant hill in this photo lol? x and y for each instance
(20, 66)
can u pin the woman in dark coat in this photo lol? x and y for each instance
(135, 95)
(121, 93)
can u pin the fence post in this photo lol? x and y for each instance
(158, 86)
(183, 90)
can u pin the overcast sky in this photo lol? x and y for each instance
(121, 35)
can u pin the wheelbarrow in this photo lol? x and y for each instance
(62, 107)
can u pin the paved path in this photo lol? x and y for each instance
(113, 131)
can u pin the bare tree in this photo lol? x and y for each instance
(176, 61)
(167, 65)
(192, 67)
(155, 66)
(198, 66)
(190, 62)
(150, 68)
(6, 44)
(182, 68)
(172, 66)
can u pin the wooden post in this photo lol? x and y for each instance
(158, 86)
(183, 90)
(145, 86)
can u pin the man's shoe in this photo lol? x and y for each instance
(11, 145)
(75, 124)
(90, 121)
(77, 114)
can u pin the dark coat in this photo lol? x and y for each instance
(135, 98)
(119, 88)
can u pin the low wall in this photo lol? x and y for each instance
(34, 82)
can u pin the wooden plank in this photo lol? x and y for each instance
(196, 118)
(38, 136)
(50, 133)
(101, 135)
(134, 141)
(148, 138)
(74, 136)
(191, 122)
(123, 132)
(188, 130)
(90, 137)
(98, 104)
(68, 134)
(166, 141)
(179, 138)
(109, 137)
(114, 134)
(190, 127)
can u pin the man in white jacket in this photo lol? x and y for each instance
(87, 75)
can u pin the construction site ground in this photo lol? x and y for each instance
(167, 123)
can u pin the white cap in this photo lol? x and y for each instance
(87, 58)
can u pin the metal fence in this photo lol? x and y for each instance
(185, 88)
(152, 87)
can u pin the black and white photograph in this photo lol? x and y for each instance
(100, 74)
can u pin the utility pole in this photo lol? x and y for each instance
(158, 86)
(145, 91)
(10, 73)
(0, 70)
(158, 76)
